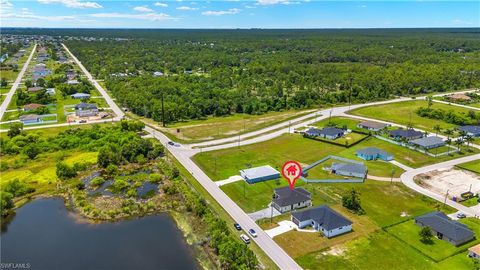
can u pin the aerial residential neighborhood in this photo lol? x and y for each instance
(240, 135)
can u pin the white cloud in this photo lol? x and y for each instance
(458, 22)
(144, 16)
(143, 9)
(274, 2)
(29, 15)
(186, 8)
(72, 3)
(6, 3)
(158, 4)
(248, 6)
(221, 12)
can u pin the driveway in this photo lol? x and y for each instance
(264, 213)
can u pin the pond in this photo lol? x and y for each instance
(45, 235)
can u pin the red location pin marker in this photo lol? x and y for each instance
(291, 170)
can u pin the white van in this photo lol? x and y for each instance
(245, 239)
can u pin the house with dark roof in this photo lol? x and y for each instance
(473, 131)
(286, 199)
(408, 134)
(323, 219)
(80, 96)
(86, 109)
(428, 142)
(444, 228)
(350, 169)
(372, 126)
(34, 89)
(373, 153)
(330, 133)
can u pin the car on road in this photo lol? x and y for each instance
(171, 143)
(245, 239)
(82, 121)
(461, 215)
(237, 226)
(252, 232)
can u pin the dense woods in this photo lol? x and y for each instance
(219, 72)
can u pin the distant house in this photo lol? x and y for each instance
(86, 109)
(331, 133)
(28, 119)
(428, 142)
(373, 153)
(473, 131)
(35, 89)
(286, 199)
(259, 174)
(50, 91)
(157, 73)
(408, 134)
(459, 97)
(31, 106)
(474, 252)
(72, 82)
(444, 228)
(323, 219)
(350, 169)
(373, 126)
(80, 96)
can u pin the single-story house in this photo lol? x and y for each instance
(27, 119)
(428, 142)
(50, 91)
(331, 133)
(80, 96)
(286, 199)
(373, 153)
(444, 228)
(34, 89)
(350, 169)
(459, 97)
(474, 252)
(86, 109)
(473, 131)
(408, 134)
(258, 174)
(31, 106)
(373, 126)
(323, 219)
(72, 82)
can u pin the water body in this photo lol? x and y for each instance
(46, 235)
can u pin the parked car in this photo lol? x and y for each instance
(82, 121)
(252, 232)
(245, 239)
(171, 143)
(237, 226)
(461, 215)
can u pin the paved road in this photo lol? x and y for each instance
(272, 249)
(15, 85)
(100, 89)
(408, 179)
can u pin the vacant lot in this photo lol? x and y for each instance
(451, 181)
(439, 249)
(404, 113)
(473, 166)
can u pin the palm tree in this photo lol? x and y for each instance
(458, 143)
(468, 139)
(448, 142)
(449, 133)
(437, 129)
(430, 101)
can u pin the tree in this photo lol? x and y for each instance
(31, 150)
(437, 129)
(351, 201)
(64, 171)
(3, 82)
(15, 129)
(430, 101)
(426, 235)
(28, 83)
(6, 202)
(448, 132)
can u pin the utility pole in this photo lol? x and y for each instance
(393, 172)
(446, 195)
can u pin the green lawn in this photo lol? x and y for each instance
(10, 75)
(404, 112)
(5, 89)
(340, 122)
(473, 166)
(440, 249)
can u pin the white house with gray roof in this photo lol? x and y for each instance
(286, 199)
(323, 219)
(428, 142)
(350, 169)
(444, 228)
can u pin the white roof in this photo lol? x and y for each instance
(261, 171)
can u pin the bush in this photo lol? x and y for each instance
(17, 188)
(64, 171)
(351, 201)
(119, 185)
(97, 181)
(6, 202)
(3, 166)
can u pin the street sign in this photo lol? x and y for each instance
(291, 170)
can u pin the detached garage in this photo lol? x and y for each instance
(259, 174)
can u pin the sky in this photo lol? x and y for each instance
(238, 14)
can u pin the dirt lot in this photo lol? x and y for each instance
(454, 181)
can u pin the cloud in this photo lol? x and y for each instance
(143, 9)
(5, 4)
(72, 3)
(158, 4)
(186, 8)
(29, 15)
(221, 12)
(274, 2)
(144, 16)
(461, 22)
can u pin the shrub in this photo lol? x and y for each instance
(97, 181)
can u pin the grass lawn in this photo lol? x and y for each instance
(5, 89)
(7, 116)
(340, 122)
(459, 261)
(440, 249)
(376, 251)
(404, 112)
(10, 75)
(473, 166)
(470, 202)
(221, 127)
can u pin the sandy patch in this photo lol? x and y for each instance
(453, 181)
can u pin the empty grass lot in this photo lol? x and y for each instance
(404, 112)
(473, 166)
(440, 249)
